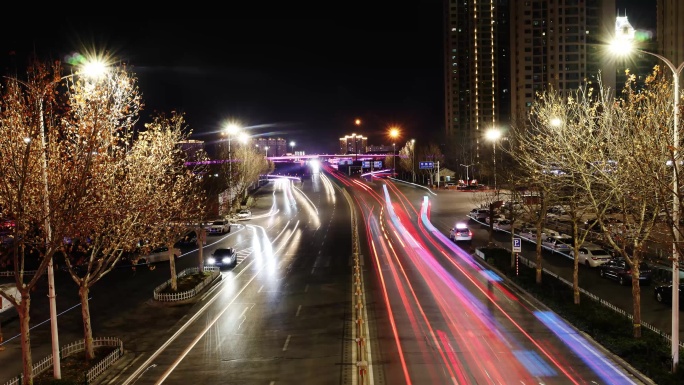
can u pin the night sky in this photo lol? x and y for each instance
(300, 72)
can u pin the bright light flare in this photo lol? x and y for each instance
(94, 69)
(493, 134)
(621, 46)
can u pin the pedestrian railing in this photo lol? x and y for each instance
(181, 296)
(77, 347)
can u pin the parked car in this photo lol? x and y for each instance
(503, 225)
(496, 218)
(561, 242)
(244, 214)
(479, 214)
(619, 270)
(159, 254)
(530, 233)
(592, 255)
(460, 232)
(223, 257)
(218, 227)
(663, 293)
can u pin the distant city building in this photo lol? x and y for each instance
(193, 148)
(276, 146)
(670, 30)
(558, 44)
(378, 149)
(477, 74)
(353, 144)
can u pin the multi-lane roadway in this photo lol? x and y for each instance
(285, 313)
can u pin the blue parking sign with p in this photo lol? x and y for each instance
(517, 245)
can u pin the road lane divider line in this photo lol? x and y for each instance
(287, 342)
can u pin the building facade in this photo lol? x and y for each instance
(476, 73)
(670, 30)
(270, 146)
(559, 44)
(353, 144)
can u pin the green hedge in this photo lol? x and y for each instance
(649, 354)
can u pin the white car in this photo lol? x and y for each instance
(591, 255)
(460, 232)
(160, 254)
(218, 227)
(479, 214)
(562, 243)
(502, 225)
(530, 233)
(244, 214)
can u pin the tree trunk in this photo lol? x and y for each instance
(24, 317)
(87, 327)
(636, 297)
(539, 268)
(201, 234)
(172, 264)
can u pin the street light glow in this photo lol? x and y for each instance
(493, 134)
(232, 129)
(556, 122)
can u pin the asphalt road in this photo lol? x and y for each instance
(284, 314)
(281, 316)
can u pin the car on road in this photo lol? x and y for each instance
(663, 293)
(620, 270)
(218, 227)
(160, 254)
(460, 232)
(223, 257)
(592, 255)
(244, 214)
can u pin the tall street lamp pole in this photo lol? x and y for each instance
(231, 129)
(493, 134)
(621, 45)
(467, 166)
(413, 160)
(394, 134)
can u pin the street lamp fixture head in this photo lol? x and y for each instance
(94, 69)
(621, 46)
(357, 122)
(493, 134)
(394, 132)
(556, 122)
(232, 129)
(292, 143)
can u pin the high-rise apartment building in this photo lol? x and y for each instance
(353, 144)
(558, 44)
(476, 73)
(670, 30)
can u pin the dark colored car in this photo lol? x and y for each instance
(663, 293)
(224, 257)
(619, 270)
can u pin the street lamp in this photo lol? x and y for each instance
(493, 135)
(622, 44)
(292, 144)
(467, 166)
(91, 69)
(231, 130)
(394, 134)
(266, 148)
(413, 159)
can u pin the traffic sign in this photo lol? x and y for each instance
(426, 165)
(517, 245)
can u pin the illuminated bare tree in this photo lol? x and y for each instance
(178, 196)
(613, 151)
(249, 165)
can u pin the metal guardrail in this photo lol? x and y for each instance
(603, 302)
(77, 347)
(181, 296)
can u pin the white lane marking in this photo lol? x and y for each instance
(287, 342)
(299, 308)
